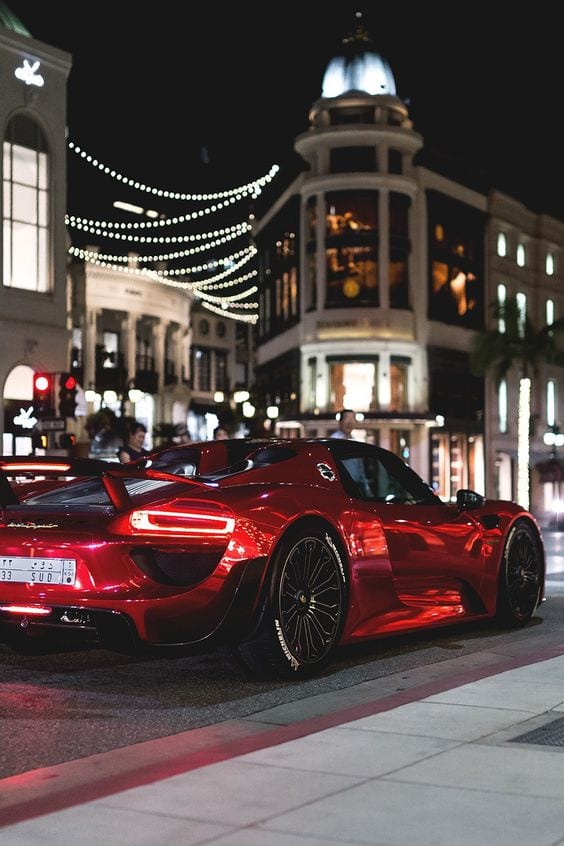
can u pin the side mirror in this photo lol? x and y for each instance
(466, 500)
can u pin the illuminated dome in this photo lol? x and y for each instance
(358, 68)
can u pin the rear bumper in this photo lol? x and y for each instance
(179, 622)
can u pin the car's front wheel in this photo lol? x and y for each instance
(304, 612)
(521, 576)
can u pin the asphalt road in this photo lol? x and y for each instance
(65, 706)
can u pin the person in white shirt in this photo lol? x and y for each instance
(347, 420)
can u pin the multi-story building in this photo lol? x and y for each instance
(377, 270)
(131, 342)
(35, 334)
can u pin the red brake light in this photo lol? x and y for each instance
(35, 467)
(36, 610)
(193, 519)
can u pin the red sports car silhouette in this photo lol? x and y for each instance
(282, 549)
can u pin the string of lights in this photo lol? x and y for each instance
(236, 232)
(244, 318)
(87, 224)
(227, 305)
(249, 188)
(196, 285)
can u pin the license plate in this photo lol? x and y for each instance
(41, 571)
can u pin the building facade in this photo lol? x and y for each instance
(377, 272)
(35, 334)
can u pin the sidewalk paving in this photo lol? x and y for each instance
(413, 760)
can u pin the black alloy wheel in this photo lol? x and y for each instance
(521, 575)
(304, 613)
(310, 599)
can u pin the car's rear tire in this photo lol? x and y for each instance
(304, 611)
(521, 576)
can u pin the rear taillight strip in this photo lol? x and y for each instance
(148, 521)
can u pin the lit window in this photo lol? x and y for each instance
(522, 308)
(521, 255)
(501, 244)
(501, 299)
(502, 406)
(26, 206)
(549, 265)
(353, 384)
(551, 402)
(549, 312)
(399, 372)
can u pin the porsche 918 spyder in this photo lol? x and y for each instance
(280, 549)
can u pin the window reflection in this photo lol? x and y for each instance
(456, 235)
(351, 248)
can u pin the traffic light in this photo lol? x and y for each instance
(67, 395)
(43, 395)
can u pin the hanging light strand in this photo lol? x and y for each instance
(244, 318)
(167, 278)
(249, 188)
(176, 272)
(139, 239)
(83, 253)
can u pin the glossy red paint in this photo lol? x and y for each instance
(282, 549)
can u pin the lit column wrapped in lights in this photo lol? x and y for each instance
(523, 442)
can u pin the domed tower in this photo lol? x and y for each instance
(343, 316)
(360, 186)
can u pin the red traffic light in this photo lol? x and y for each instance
(41, 383)
(67, 394)
(43, 395)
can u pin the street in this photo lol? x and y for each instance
(65, 706)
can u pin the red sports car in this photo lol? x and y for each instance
(282, 549)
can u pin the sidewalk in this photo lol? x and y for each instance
(414, 760)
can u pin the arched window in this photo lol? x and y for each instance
(26, 206)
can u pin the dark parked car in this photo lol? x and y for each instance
(282, 549)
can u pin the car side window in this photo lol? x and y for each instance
(372, 479)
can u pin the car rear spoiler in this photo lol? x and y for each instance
(112, 474)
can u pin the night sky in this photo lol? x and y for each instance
(197, 97)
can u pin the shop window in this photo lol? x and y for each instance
(353, 384)
(399, 376)
(312, 383)
(110, 355)
(400, 443)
